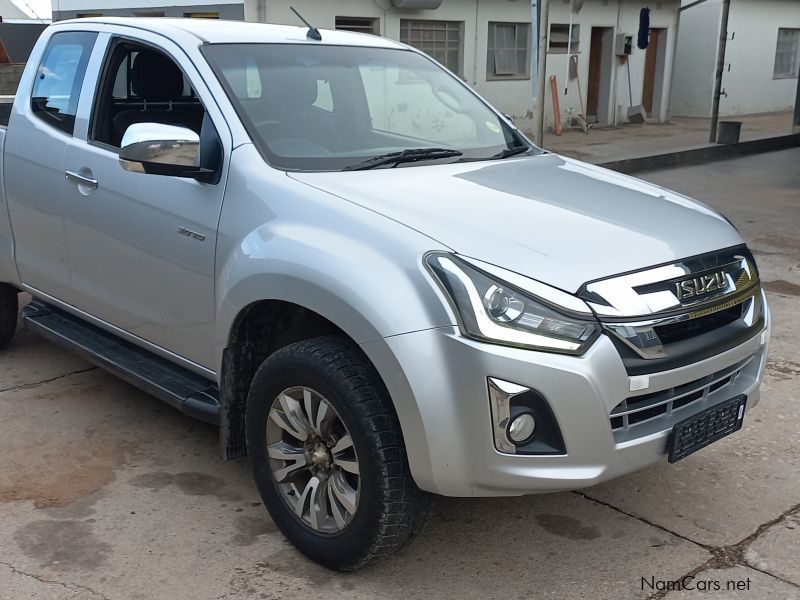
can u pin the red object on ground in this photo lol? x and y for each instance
(556, 107)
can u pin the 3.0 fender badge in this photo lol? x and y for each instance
(192, 234)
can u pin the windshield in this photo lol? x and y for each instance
(319, 108)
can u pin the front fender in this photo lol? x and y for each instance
(280, 239)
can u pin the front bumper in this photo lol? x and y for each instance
(438, 382)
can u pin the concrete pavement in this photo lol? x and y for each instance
(602, 145)
(107, 493)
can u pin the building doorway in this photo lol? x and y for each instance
(654, 72)
(601, 60)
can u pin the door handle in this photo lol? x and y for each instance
(81, 180)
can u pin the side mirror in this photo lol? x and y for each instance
(160, 149)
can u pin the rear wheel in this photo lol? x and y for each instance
(328, 456)
(9, 312)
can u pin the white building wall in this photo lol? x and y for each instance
(750, 58)
(696, 60)
(9, 10)
(750, 84)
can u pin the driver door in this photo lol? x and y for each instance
(142, 246)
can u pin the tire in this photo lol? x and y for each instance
(9, 313)
(389, 508)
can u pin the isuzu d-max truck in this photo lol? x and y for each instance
(377, 287)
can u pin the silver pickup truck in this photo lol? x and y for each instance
(377, 287)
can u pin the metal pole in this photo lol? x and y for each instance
(539, 20)
(569, 49)
(667, 110)
(723, 40)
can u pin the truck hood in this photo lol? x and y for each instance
(550, 218)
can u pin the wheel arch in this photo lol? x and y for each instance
(259, 329)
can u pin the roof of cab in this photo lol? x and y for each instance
(215, 31)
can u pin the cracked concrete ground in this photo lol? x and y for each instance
(107, 493)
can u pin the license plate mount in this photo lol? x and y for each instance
(706, 427)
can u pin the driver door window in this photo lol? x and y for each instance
(143, 85)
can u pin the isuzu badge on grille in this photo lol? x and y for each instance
(699, 286)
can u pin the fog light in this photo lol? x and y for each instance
(521, 428)
(522, 421)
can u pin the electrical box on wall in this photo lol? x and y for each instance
(623, 45)
(417, 4)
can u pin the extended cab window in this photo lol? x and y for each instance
(57, 87)
(142, 85)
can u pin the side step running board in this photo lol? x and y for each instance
(190, 393)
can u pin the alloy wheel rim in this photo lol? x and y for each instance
(313, 460)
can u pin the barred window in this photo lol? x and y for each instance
(441, 40)
(561, 37)
(359, 24)
(787, 54)
(508, 53)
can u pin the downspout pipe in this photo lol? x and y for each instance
(666, 113)
(723, 41)
(540, 10)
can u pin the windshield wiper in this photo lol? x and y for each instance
(505, 153)
(512, 151)
(404, 156)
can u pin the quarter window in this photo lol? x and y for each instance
(787, 54)
(441, 40)
(508, 56)
(57, 87)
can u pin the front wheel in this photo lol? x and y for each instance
(328, 456)
(9, 312)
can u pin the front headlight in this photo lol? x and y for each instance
(492, 310)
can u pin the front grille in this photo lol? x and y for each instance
(637, 409)
(676, 332)
(655, 347)
(675, 314)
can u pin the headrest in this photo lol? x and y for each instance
(155, 78)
